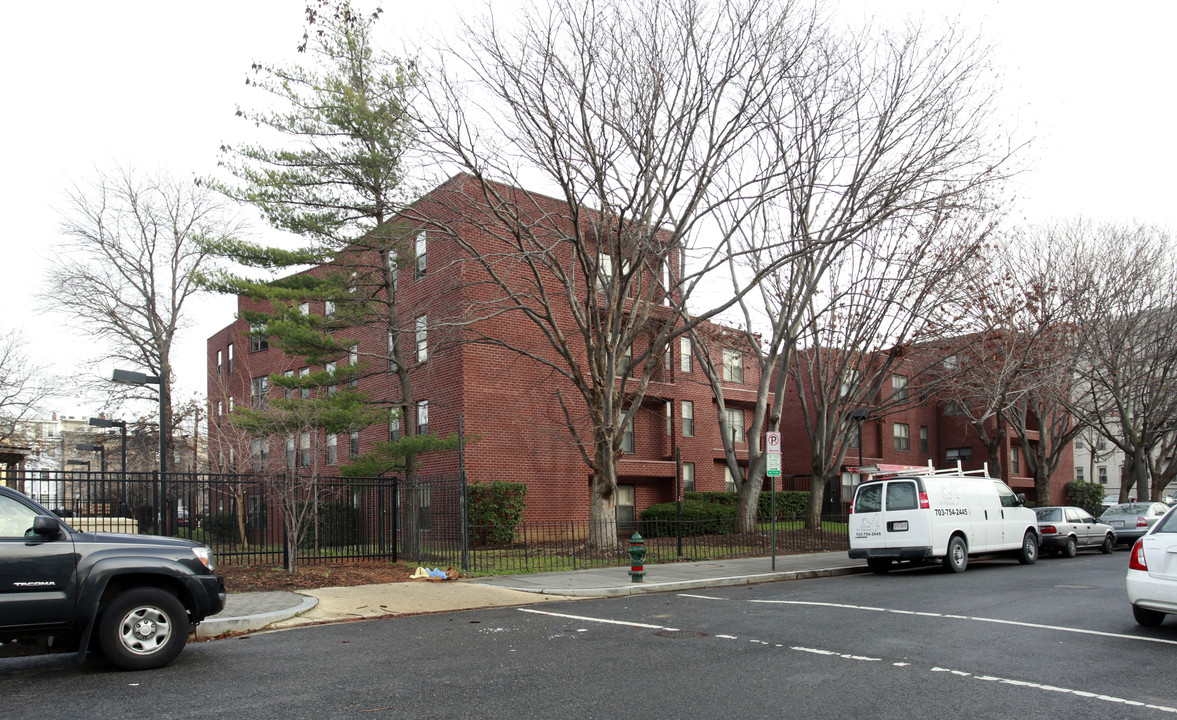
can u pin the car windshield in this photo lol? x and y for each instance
(1127, 509)
(1050, 514)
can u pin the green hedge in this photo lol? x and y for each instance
(1086, 495)
(495, 510)
(221, 526)
(789, 503)
(339, 525)
(698, 518)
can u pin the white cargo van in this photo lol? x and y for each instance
(950, 515)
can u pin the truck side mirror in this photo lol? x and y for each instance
(46, 526)
(1021, 497)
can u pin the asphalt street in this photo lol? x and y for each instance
(1001, 640)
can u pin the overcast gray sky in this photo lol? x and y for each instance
(154, 85)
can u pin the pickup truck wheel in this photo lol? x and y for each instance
(1070, 548)
(143, 628)
(957, 558)
(1028, 555)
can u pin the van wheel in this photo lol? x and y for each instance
(1109, 544)
(879, 565)
(1070, 548)
(1028, 555)
(957, 558)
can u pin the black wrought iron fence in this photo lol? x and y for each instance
(260, 519)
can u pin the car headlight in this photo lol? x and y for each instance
(205, 555)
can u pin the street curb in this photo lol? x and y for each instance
(648, 587)
(213, 626)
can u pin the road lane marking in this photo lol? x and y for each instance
(604, 621)
(702, 597)
(947, 616)
(935, 669)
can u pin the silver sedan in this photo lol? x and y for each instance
(1132, 520)
(1063, 530)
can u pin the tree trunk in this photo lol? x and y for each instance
(817, 497)
(603, 504)
(748, 498)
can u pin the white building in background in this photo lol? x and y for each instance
(1099, 461)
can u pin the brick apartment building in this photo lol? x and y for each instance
(511, 405)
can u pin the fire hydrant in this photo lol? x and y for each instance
(637, 551)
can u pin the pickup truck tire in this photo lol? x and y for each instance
(143, 628)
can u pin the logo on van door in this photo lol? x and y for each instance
(868, 527)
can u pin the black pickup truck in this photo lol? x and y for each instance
(132, 597)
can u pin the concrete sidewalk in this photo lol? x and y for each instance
(253, 611)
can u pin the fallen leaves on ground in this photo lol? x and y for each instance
(244, 578)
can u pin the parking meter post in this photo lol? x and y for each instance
(637, 551)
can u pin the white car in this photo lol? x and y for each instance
(1152, 572)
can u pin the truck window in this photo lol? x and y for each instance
(16, 520)
(1008, 499)
(901, 496)
(869, 499)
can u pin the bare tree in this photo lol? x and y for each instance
(1127, 335)
(882, 135)
(24, 384)
(124, 272)
(652, 124)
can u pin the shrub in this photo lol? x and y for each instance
(338, 526)
(221, 526)
(698, 518)
(494, 510)
(789, 503)
(1086, 495)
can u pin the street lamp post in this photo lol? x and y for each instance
(860, 417)
(122, 426)
(90, 447)
(129, 377)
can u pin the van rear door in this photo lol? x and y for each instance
(866, 520)
(905, 525)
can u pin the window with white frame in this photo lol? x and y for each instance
(899, 387)
(735, 423)
(394, 426)
(392, 366)
(733, 366)
(626, 507)
(420, 250)
(259, 450)
(688, 477)
(627, 438)
(626, 362)
(332, 449)
(286, 391)
(328, 309)
(924, 439)
(290, 454)
(304, 449)
(422, 329)
(229, 367)
(1079, 474)
(304, 309)
(1015, 464)
(1102, 474)
(422, 417)
(353, 443)
(902, 435)
(849, 383)
(959, 454)
(353, 360)
(258, 387)
(220, 367)
(684, 354)
(688, 418)
(729, 482)
(304, 392)
(669, 418)
(332, 388)
(257, 341)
